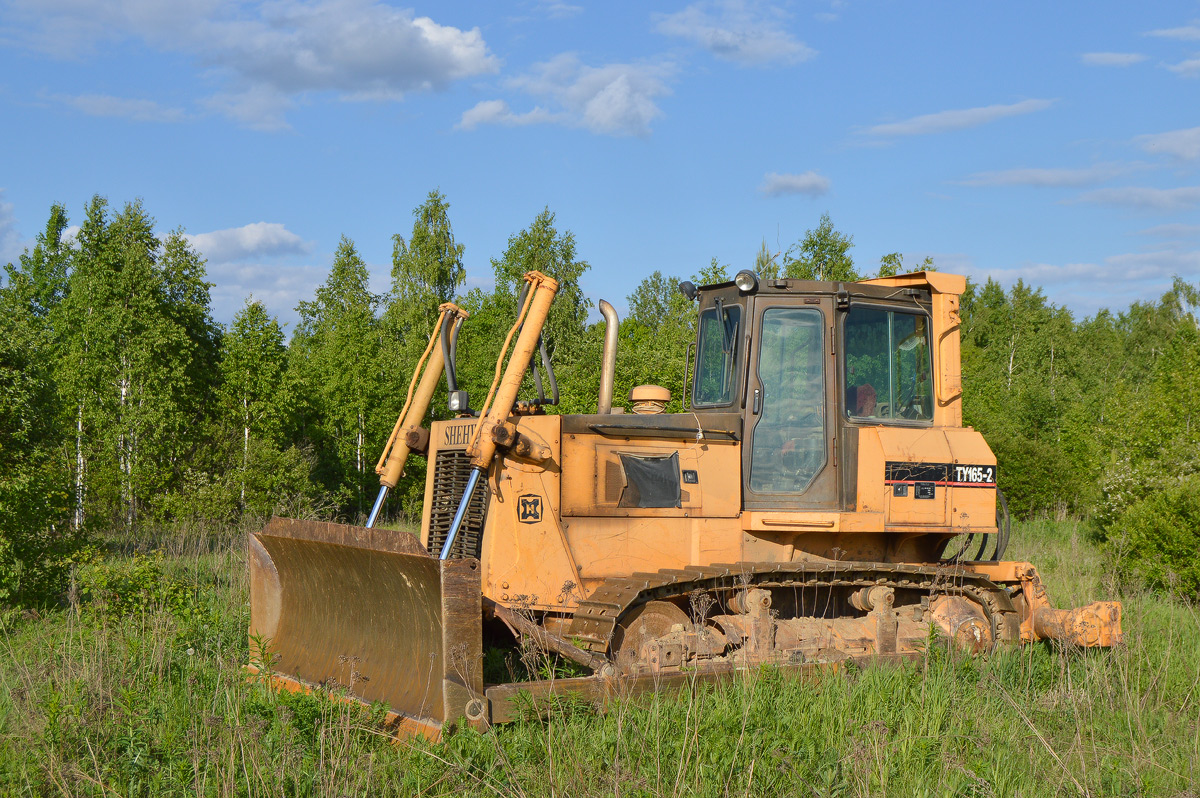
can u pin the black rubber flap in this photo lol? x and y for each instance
(650, 480)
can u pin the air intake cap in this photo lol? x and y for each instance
(649, 399)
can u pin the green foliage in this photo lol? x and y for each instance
(766, 263)
(1097, 418)
(1159, 537)
(268, 481)
(137, 359)
(540, 247)
(1020, 359)
(892, 264)
(253, 403)
(654, 339)
(37, 547)
(427, 270)
(40, 278)
(136, 585)
(573, 348)
(334, 372)
(823, 254)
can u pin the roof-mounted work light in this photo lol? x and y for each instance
(746, 281)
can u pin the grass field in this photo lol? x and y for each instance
(137, 689)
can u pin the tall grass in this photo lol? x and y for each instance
(137, 689)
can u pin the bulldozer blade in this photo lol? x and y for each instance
(371, 613)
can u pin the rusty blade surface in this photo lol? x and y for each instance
(356, 607)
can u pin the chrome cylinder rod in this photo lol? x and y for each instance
(374, 516)
(460, 513)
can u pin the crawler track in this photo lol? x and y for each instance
(596, 618)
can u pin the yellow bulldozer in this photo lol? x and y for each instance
(817, 501)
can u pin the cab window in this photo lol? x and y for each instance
(788, 446)
(716, 356)
(887, 365)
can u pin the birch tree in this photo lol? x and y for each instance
(823, 254)
(251, 393)
(335, 354)
(36, 541)
(137, 352)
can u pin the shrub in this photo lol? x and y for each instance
(135, 585)
(1031, 475)
(1158, 537)
(274, 482)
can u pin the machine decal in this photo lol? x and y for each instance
(529, 509)
(950, 475)
(458, 434)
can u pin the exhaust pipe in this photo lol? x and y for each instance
(608, 369)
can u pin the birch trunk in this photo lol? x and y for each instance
(1012, 353)
(79, 467)
(245, 445)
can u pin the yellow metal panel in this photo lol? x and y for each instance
(915, 445)
(616, 547)
(526, 561)
(971, 508)
(595, 477)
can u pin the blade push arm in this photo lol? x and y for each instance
(420, 391)
(503, 394)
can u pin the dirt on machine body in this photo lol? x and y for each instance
(819, 501)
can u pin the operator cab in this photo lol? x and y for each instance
(807, 364)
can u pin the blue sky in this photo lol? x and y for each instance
(1054, 142)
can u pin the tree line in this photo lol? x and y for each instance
(123, 404)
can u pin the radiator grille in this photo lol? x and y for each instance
(451, 470)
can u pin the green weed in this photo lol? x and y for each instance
(141, 692)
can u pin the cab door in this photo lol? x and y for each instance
(788, 458)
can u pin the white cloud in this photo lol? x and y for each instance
(1111, 59)
(741, 31)
(1115, 270)
(1185, 32)
(354, 49)
(958, 119)
(258, 107)
(122, 107)
(497, 112)
(1088, 287)
(255, 240)
(1189, 68)
(279, 288)
(10, 239)
(615, 99)
(1183, 144)
(1144, 198)
(1172, 231)
(810, 183)
(1046, 178)
(556, 9)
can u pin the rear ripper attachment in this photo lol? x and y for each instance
(818, 501)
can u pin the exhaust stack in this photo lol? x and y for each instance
(609, 367)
